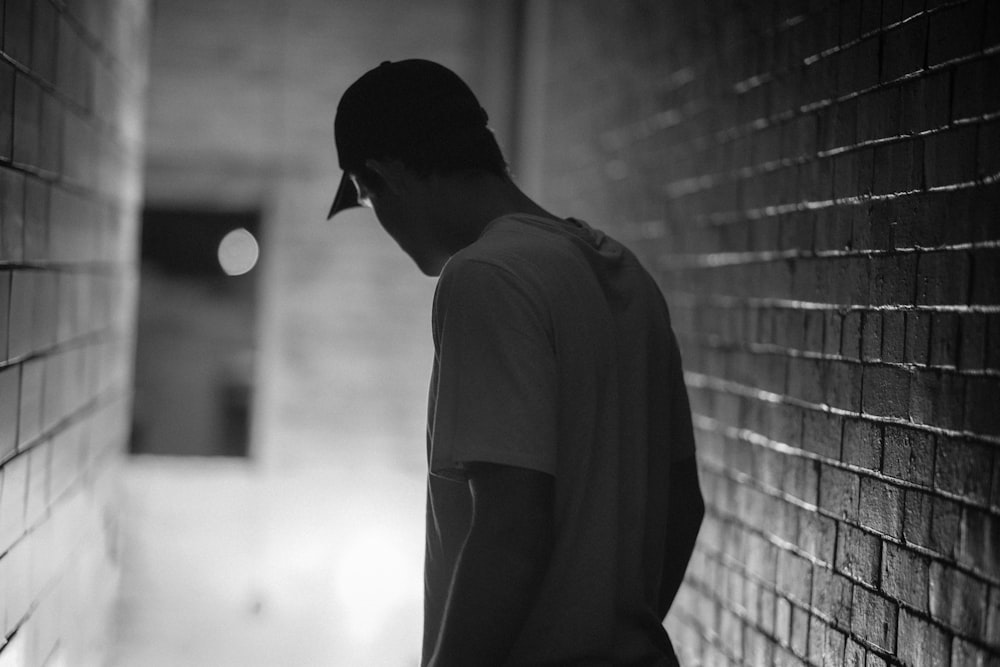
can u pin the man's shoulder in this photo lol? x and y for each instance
(515, 245)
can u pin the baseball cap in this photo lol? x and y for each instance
(394, 107)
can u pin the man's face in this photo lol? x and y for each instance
(400, 211)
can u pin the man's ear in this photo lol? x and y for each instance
(392, 172)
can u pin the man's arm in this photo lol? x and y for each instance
(686, 512)
(500, 567)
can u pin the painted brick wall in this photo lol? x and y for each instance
(72, 79)
(816, 187)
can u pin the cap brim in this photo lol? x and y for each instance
(347, 196)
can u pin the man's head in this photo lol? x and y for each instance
(415, 113)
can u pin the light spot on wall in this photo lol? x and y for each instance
(238, 252)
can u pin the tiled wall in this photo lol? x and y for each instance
(72, 80)
(815, 184)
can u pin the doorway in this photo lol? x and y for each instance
(196, 338)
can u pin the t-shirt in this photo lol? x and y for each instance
(554, 352)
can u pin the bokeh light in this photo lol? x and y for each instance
(238, 252)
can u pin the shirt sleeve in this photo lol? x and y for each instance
(493, 395)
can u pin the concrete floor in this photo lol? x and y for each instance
(226, 564)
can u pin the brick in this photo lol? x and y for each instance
(6, 110)
(885, 390)
(920, 642)
(22, 292)
(892, 13)
(817, 640)
(801, 479)
(905, 576)
(844, 385)
(30, 416)
(789, 328)
(11, 215)
(782, 620)
(838, 492)
(893, 336)
(862, 443)
(995, 504)
(871, 336)
(4, 312)
(767, 602)
(992, 333)
(17, 31)
(794, 577)
(36, 500)
(44, 310)
(800, 632)
(18, 595)
(857, 66)
(959, 468)
(982, 398)
(831, 596)
(985, 277)
(899, 167)
(874, 618)
(917, 348)
(36, 214)
(944, 339)
(944, 526)
(937, 397)
(955, 32)
(854, 654)
(993, 617)
(851, 335)
(880, 507)
(814, 326)
(964, 652)
(926, 102)
(893, 279)
(879, 114)
(987, 140)
(957, 600)
(950, 156)
(50, 136)
(908, 455)
(833, 653)
(806, 379)
(903, 49)
(27, 120)
(12, 497)
(10, 392)
(973, 94)
(979, 542)
(858, 554)
(817, 536)
(43, 43)
(831, 332)
(942, 278)
(758, 649)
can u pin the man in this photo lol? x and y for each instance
(563, 500)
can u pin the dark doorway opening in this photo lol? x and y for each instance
(196, 333)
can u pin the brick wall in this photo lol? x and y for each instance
(816, 186)
(71, 84)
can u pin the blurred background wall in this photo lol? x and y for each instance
(814, 185)
(72, 93)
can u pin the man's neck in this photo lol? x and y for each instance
(469, 203)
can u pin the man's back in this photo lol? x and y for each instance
(555, 353)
